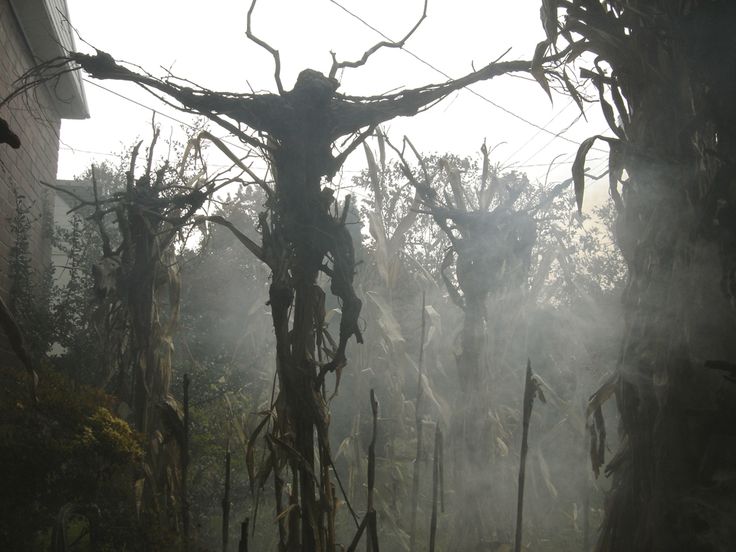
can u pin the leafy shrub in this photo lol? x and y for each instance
(69, 453)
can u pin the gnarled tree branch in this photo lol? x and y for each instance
(270, 49)
(336, 66)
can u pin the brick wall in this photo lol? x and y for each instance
(37, 124)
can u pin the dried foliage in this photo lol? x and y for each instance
(298, 232)
(305, 240)
(136, 308)
(664, 72)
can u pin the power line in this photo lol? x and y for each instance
(77, 150)
(439, 71)
(533, 136)
(170, 117)
(216, 165)
(555, 163)
(558, 135)
(549, 142)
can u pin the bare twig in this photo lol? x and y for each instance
(152, 147)
(74, 196)
(439, 214)
(270, 49)
(252, 246)
(98, 217)
(336, 66)
(236, 161)
(340, 159)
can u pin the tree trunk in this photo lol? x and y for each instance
(299, 224)
(676, 414)
(469, 421)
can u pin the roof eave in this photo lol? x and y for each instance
(48, 36)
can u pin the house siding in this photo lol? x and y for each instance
(37, 124)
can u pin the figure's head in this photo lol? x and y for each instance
(314, 87)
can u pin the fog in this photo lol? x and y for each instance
(236, 342)
(566, 322)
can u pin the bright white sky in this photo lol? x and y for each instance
(205, 42)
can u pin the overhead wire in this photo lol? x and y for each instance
(447, 76)
(549, 142)
(158, 112)
(524, 164)
(533, 136)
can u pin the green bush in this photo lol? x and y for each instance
(67, 461)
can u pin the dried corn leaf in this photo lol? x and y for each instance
(577, 98)
(387, 321)
(548, 15)
(374, 175)
(603, 393)
(597, 430)
(250, 450)
(285, 512)
(537, 69)
(578, 166)
(138, 491)
(544, 469)
(578, 170)
(378, 233)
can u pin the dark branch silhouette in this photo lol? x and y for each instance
(336, 66)
(297, 131)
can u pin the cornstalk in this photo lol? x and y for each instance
(586, 518)
(185, 465)
(369, 521)
(358, 534)
(243, 544)
(586, 496)
(436, 467)
(529, 392)
(418, 422)
(372, 540)
(226, 501)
